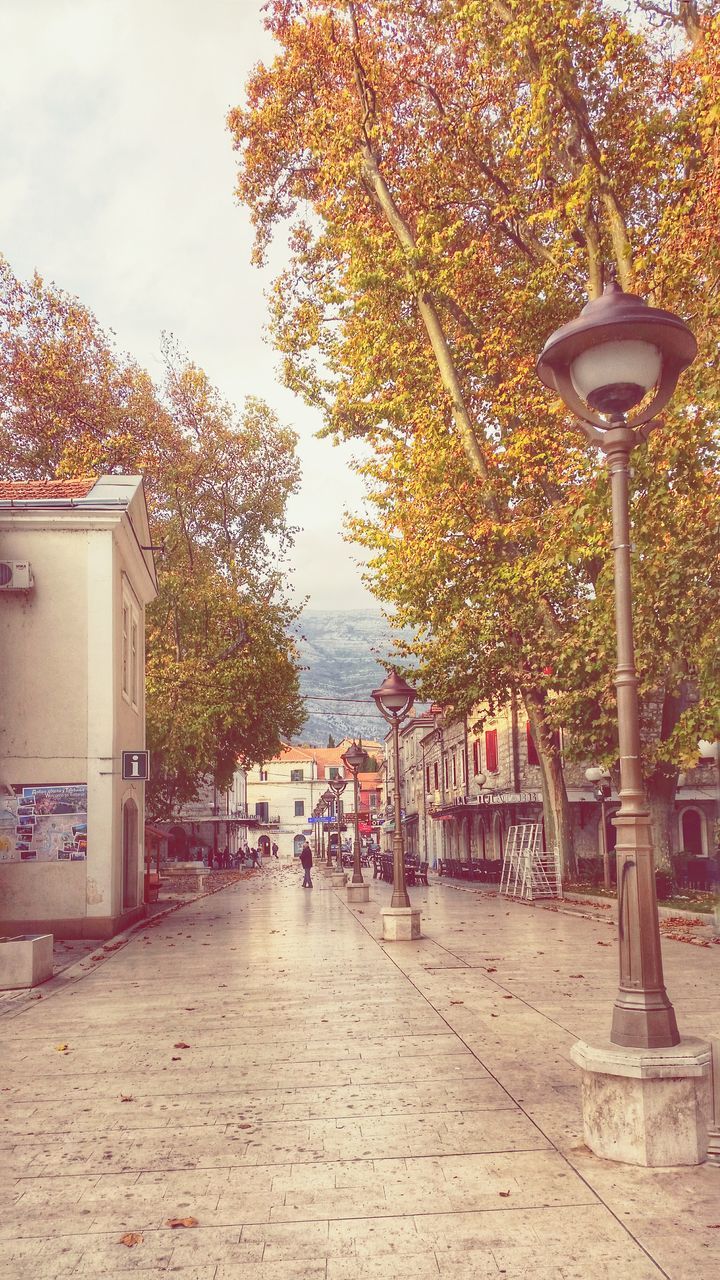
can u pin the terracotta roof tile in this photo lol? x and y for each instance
(37, 490)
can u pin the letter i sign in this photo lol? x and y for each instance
(135, 766)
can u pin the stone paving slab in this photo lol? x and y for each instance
(343, 1107)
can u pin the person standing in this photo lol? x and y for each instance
(274, 850)
(306, 860)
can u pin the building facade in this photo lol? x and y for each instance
(71, 829)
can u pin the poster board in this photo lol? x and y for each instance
(44, 823)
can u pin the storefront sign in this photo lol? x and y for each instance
(511, 797)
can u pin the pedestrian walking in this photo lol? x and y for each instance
(274, 850)
(306, 859)
(255, 855)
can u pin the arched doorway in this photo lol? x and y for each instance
(130, 883)
(264, 846)
(498, 834)
(691, 829)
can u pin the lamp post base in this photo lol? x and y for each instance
(400, 924)
(649, 1107)
(358, 893)
(338, 879)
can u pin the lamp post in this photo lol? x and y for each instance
(646, 1095)
(604, 364)
(601, 781)
(394, 699)
(326, 801)
(438, 714)
(337, 786)
(353, 759)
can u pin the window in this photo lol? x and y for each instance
(373, 803)
(130, 653)
(134, 683)
(533, 757)
(463, 768)
(454, 770)
(296, 775)
(445, 771)
(427, 777)
(436, 776)
(262, 810)
(125, 649)
(333, 772)
(263, 775)
(476, 757)
(300, 806)
(491, 750)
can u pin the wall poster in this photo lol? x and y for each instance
(44, 824)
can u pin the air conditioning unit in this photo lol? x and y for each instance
(16, 575)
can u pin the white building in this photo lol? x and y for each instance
(76, 572)
(282, 794)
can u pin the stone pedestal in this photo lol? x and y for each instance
(358, 892)
(649, 1107)
(26, 960)
(400, 924)
(338, 879)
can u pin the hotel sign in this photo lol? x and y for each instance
(511, 797)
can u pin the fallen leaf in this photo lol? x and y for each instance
(244, 1126)
(491, 970)
(457, 1001)
(181, 1045)
(61, 1048)
(503, 1193)
(177, 1058)
(181, 1222)
(131, 1238)
(576, 975)
(603, 944)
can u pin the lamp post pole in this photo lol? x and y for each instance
(337, 786)
(353, 759)
(601, 781)
(604, 364)
(394, 699)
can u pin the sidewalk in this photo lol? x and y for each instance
(319, 1105)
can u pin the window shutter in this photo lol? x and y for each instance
(491, 750)
(476, 757)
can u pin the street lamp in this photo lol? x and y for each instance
(618, 354)
(394, 699)
(327, 800)
(601, 780)
(337, 786)
(353, 759)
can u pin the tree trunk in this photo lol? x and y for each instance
(661, 786)
(556, 806)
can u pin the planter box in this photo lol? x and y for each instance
(26, 960)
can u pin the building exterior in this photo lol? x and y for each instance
(462, 787)
(71, 829)
(282, 793)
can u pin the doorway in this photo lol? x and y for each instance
(130, 887)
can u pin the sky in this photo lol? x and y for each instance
(117, 183)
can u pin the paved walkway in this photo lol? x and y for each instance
(320, 1106)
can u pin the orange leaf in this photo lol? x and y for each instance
(181, 1222)
(131, 1238)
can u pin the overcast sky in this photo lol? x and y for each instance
(117, 182)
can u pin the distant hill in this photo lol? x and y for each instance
(345, 653)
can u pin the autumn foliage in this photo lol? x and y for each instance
(454, 180)
(222, 679)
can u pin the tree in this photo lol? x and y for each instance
(222, 673)
(470, 170)
(331, 741)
